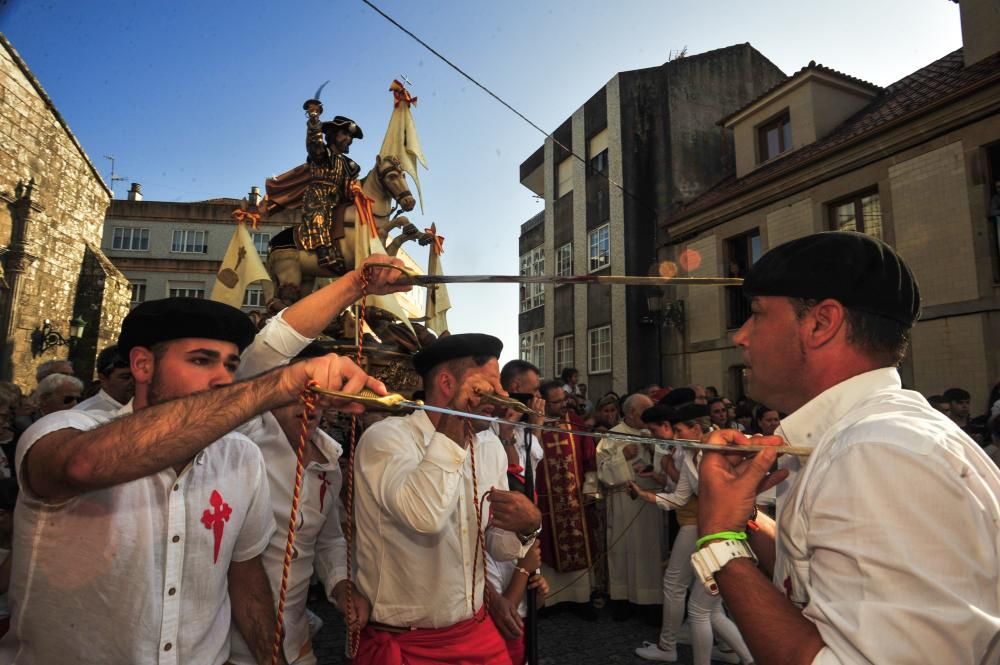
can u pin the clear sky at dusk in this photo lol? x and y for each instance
(200, 100)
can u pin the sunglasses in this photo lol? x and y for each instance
(71, 399)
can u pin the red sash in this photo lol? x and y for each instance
(469, 642)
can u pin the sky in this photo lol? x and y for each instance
(200, 100)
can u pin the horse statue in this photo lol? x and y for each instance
(379, 200)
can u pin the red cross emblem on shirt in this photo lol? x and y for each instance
(216, 521)
(324, 483)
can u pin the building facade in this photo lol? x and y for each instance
(51, 219)
(913, 163)
(640, 146)
(168, 249)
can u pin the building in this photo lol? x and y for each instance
(912, 163)
(641, 145)
(170, 249)
(53, 270)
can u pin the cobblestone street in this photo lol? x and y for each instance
(565, 639)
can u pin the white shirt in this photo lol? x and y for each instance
(500, 573)
(130, 573)
(100, 401)
(888, 536)
(320, 545)
(612, 467)
(275, 344)
(416, 520)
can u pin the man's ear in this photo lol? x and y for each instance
(446, 384)
(826, 320)
(142, 362)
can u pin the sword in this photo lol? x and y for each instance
(628, 280)
(396, 402)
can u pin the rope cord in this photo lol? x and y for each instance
(470, 434)
(308, 399)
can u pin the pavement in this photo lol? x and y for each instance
(564, 639)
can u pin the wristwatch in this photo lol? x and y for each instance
(527, 538)
(710, 559)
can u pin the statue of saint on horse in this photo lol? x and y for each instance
(325, 195)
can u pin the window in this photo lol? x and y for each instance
(742, 251)
(533, 347)
(600, 247)
(564, 353)
(254, 296)
(599, 359)
(260, 241)
(861, 212)
(183, 290)
(774, 137)
(533, 263)
(599, 162)
(564, 260)
(135, 240)
(189, 242)
(138, 292)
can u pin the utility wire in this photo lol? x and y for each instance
(505, 104)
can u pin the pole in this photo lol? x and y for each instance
(531, 621)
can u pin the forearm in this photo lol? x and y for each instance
(516, 589)
(774, 629)
(311, 315)
(253, 607)
(762, 543)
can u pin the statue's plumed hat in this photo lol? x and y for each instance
(858, 270)
(156, 321)
(453, 347)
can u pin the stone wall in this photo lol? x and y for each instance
(47, 179)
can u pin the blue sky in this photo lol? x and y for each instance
(203, 99)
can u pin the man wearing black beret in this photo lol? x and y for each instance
(886, 544)
(139, 534)
(418, 483)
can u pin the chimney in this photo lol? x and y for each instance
(135, 193)
(254, 198)
(980, 29)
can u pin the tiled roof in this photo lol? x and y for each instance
(811, 67)
(919, 92)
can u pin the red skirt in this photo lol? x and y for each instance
(470, 642)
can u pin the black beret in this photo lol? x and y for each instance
(658, 413)
(860, 271)
(109, 359)
(348, 125)
(689, 412)
(452, 347)
(156, 321)
(678, 396)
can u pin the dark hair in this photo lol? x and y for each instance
(456, 367)
(759, 412)
(713, 400)
(956, 395)
(936, 399)
(567, 373)
(513, 370)
(109, 360)
(549, 386)
(879, 336)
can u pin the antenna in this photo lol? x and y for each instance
(405, 80)
(114, 176)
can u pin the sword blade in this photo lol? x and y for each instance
(628, 280)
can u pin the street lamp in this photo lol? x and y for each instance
(45, 338)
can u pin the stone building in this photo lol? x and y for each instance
(175, 249)
(51, 221)
(646, 141)
(913, 163)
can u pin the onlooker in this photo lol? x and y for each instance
(115, 378)
(718, 412)
(606, 413)
(711, 392)
(58, 392)
(960, 400)
(766, 420)
(584, 405)
(700, 396)
(744, 417)
(53, 367)
(941, 404)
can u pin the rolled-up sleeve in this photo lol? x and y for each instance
(275, 345)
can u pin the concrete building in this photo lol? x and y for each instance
(175, 249)
(51, 220)
(913, 163)
(641, 145)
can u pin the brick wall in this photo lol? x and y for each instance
(930, 207)
(789, 222)
(67, 213)
(706, 369)
(704, 304)
(947, 353)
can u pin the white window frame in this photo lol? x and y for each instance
(130, 239)
(599, 350)
(533, 263)
(189, 238)
(138, 292)
(565, 353)
(531, 346)
(186, 290)
(254, 296)
(594, 241)
(564, 260)
(261, 241)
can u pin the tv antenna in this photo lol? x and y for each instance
(115, 177)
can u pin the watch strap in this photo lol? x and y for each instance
(710, 559)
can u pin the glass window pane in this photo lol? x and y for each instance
(843, 217)
(786, 135)
(773, 147)
(871, 215)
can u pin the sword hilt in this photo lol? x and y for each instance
(369, 398)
